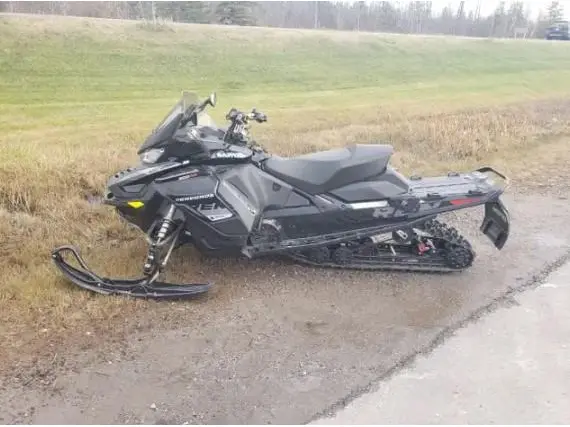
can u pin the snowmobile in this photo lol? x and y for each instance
(218, 189)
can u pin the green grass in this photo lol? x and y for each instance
(77, 96)
(75, 60)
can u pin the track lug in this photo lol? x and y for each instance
(440, 249)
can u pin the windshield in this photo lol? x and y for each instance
(169, 124)
(204, 119)
(188, 98)
(560, 25)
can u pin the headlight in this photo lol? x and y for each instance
(151, 156)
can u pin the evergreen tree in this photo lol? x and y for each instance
(184, 11)
(195, 12)
(555, 12)
(499, 20)
(236, 13)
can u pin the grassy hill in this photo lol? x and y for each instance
(78, 95)
(69, 59)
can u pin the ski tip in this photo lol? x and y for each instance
(57, 251)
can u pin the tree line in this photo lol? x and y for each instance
(510, 19)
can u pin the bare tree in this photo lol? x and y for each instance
(379, 16)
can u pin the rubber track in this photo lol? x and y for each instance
(436, 229)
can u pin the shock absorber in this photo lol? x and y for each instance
(165, 226)
(167, 223)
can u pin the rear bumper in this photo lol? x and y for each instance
(487, 169)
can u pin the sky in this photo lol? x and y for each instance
(488, 6)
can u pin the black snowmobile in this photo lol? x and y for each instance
(347, 208)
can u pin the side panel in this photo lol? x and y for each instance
(195, 191)
(252, 192)
(213, 225)
(198, 194)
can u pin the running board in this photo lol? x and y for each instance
(291, 245)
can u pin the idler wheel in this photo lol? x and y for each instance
(342, 255)
(319, 255)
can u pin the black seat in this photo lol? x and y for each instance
(323, 171)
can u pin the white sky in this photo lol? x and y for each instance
(487, 6)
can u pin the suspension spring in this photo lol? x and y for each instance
(167, 222)
(152, 258)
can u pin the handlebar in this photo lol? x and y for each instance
(239, 117)
(238, 129)
(237, 132)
